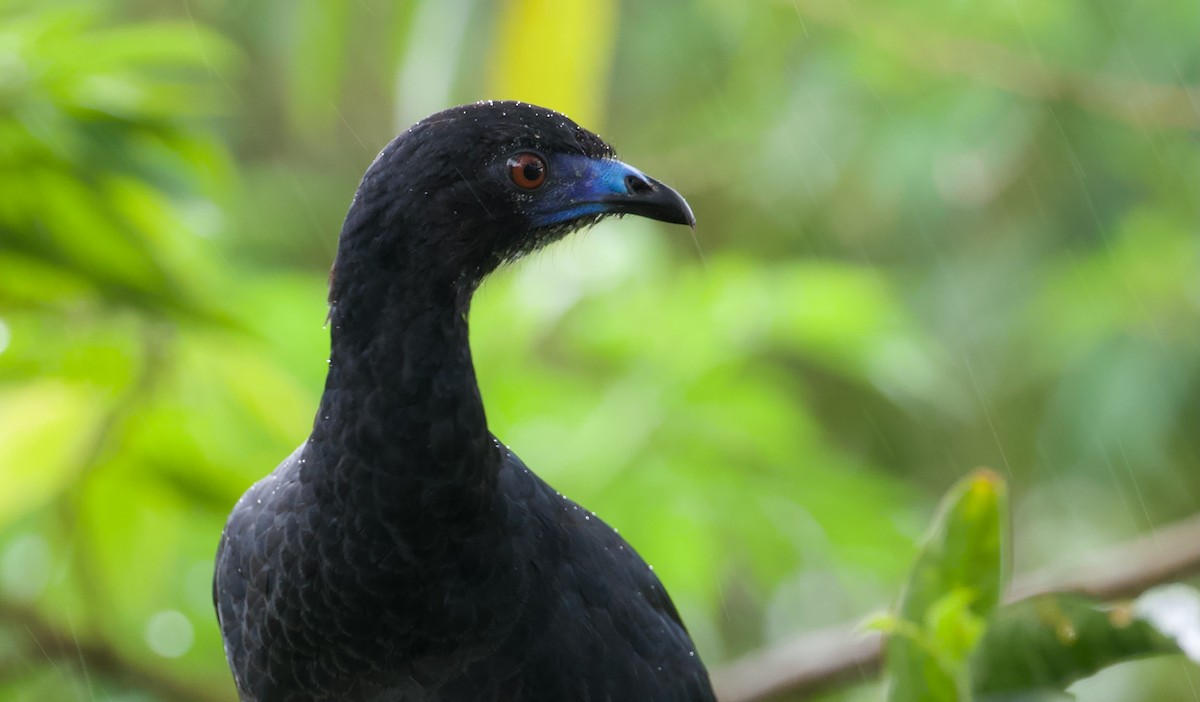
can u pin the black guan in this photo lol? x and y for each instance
(402, 553)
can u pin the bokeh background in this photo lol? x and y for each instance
(932, 235)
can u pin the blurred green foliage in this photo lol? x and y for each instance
(933, 235)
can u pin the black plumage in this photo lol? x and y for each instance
(402, 553)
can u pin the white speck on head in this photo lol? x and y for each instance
(169, 633)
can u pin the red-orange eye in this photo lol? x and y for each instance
(527, 170)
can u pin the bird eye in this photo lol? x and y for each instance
(527, 170)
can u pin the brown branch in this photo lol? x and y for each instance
(823, 659)
(806, 664)
(1126, 570)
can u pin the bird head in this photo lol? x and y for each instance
(466, 189)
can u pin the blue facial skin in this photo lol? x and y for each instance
(577, 186)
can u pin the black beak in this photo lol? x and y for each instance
(646, 197)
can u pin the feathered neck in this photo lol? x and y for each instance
(401, 427)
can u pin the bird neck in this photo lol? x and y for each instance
(401, 407)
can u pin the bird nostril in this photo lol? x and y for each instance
(635, 185)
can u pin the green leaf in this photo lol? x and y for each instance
(953, 627)
(1050, 641)
(953, 588)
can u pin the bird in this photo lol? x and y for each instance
(402, 553)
